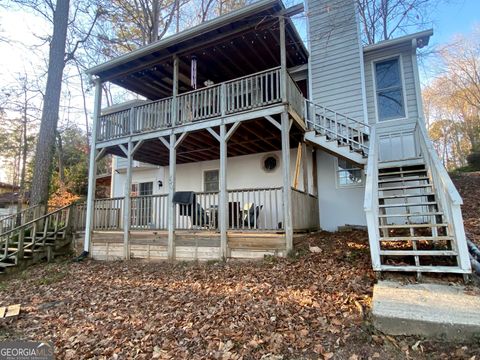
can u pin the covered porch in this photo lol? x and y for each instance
(245, 96)
(255, 225)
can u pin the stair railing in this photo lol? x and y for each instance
(446, 193)
(370, 204)
(10, 222)
(14, 242)
(336, 126)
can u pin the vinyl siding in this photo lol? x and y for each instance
(405, 53)
(335, 59)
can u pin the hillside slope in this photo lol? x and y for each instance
(468, 184)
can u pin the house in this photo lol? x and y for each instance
(246, 138)
(8, 202)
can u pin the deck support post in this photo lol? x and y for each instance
(127, 208)
(172, 167)
(287, 191)
(305, 168)
(283, 60)
(92, 168)
(223, 198)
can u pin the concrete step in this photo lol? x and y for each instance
(430, 310)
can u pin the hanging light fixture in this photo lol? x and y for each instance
(193, 78)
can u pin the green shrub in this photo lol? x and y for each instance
(474, 160)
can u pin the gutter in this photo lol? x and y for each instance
(422, 38)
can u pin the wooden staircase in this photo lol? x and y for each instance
(414, 234)
(37, 240)
(413, 212)
(336, 133)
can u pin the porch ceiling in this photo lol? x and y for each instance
(251, 137)
(240, 43)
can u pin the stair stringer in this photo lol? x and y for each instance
(333, 148)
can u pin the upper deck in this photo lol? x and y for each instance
(246, 95)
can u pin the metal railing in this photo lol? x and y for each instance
(337, 126)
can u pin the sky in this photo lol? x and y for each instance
(450, 17)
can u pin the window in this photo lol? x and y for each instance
(348, 174)
(388, 78)
(270, 163)
(140, 189)
(210, 180)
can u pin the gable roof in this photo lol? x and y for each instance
(422, 38)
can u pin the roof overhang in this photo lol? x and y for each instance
(247, 38)
(419, 40)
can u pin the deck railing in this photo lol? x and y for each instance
(237, 95)
(198, 105)
(248, 209)
(201, 214)
(255, 209)
(295, 96)
(108, 214)
(253, 91)
(149, 212)
(304, 211)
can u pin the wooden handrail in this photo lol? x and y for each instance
(35, 220)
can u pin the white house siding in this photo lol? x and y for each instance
(405, 54)
(336, 64)
(242, 172)
(338, 206)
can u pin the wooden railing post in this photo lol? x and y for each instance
(223, 99)
(21, 239)
(283, 60)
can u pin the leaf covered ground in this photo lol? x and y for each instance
(313, 305)
(468, 184)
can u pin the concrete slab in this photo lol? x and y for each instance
(429, 310)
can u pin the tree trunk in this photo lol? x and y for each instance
(48, 127)
(155, 20)
(61, 168)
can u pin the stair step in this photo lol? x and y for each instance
(438, 269)
(402, 172)
(418, 252)
(407, 226)
(405, 187)
(411, 214)
(399, 196)
(400, 179)
(4, 264)
(417, 238)
(407, 204)
(401, 163)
